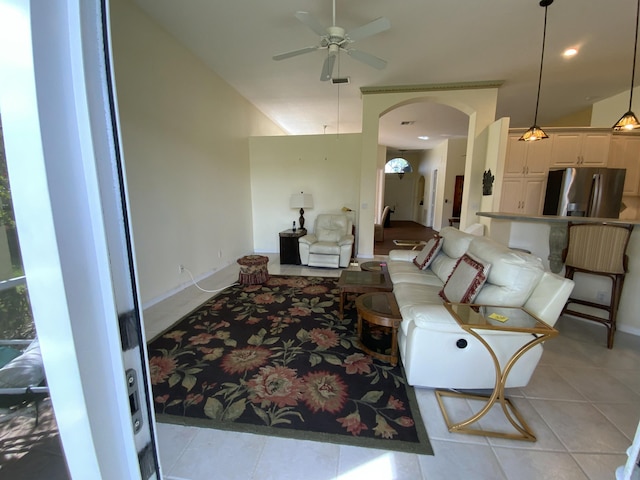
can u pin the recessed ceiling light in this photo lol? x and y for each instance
(570, 52)
(423, 137)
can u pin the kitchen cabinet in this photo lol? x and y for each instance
(625, 153)
(523, 195)
(579, 149)
(525, 176)
(527, 158)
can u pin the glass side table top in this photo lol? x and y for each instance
(487, 317)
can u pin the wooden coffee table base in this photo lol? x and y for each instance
(381, 309)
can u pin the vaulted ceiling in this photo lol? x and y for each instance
(429, 42)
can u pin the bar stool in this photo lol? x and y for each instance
(598, 249)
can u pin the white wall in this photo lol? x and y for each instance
(326, 166)
(435, 159)
(607, 112)
(186, 150)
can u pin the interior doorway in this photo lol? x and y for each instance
(420, 215)
(457, 196)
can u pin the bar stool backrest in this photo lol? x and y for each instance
(598, 247)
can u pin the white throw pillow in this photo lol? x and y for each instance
(428, 253)
(466, 280)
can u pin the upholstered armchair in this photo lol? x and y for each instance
(330, 244)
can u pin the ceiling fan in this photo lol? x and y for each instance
(335, 38)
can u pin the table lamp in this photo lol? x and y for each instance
(301, 200)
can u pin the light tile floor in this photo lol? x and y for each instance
(583, 403)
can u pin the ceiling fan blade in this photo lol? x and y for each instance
(367, 58)
(294, 53)
(312, 22)
(327, 68)
(379, 25)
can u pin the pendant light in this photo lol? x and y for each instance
(535, 132)
(628, 121)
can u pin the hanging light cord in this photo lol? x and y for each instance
(635, 49)
(544, 36)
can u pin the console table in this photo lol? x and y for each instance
(289, 249)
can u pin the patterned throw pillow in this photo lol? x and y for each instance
(428, 253)
(464, 283)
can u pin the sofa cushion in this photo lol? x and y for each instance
(468, 276)
(329, 234)
(410, 295)
(513, 274)
(325, 248)
(407, 272)
(428, 252)
(442, 266)
(455, 243)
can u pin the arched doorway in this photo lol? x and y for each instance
(477, 100)
(432, 136)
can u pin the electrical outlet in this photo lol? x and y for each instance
(181, 268)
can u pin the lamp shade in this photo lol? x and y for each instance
(533, 134)
(627, 122)
(301, 200)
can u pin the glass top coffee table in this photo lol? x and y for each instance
(476, 319)
(352, 281)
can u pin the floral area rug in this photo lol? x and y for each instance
(275, 359)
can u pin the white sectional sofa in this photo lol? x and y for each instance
(429, 339)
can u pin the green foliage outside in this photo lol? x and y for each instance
(16, 319)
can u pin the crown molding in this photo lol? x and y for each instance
(430, 87)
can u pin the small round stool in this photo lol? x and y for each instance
(253, 269)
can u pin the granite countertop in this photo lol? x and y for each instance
(519, 217)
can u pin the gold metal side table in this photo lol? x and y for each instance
(474, 319)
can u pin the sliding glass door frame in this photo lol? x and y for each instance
(68, 183)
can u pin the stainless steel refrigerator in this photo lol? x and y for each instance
(584, 192)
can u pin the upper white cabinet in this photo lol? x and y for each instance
(625, 153)
(579, 149)
(527, 158)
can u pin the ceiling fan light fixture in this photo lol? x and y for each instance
(535, 132)
(335, 38)
(629, 121)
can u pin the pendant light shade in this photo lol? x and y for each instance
(535, 132)
(629, 121)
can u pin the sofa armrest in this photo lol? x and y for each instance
(308, 239)
(549, 297)
(346, 240)
(403, 255)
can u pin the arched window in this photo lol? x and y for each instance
(397, 165)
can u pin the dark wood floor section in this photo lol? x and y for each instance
(401, 230)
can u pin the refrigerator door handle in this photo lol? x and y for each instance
(595, 194)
